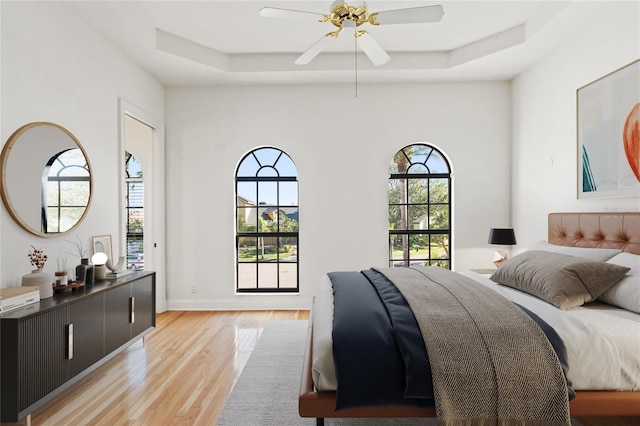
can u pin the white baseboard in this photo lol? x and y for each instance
(239, 304)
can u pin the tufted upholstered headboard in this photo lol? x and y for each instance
(600, 230)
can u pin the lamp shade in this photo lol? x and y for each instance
(502, 236)
(99, 258)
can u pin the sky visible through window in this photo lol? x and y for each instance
(69, 163)
(268, 162)
(133, 167)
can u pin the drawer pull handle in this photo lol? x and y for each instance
(70, 341)
(132, 310)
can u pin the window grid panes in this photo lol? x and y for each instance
(419, 208)
(135, 212)
(67, 191)
(267, 222)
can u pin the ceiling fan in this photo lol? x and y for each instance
(349, 18)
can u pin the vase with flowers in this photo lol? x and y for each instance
(38, 277)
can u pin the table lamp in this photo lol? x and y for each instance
(502, 237)
(99, 261)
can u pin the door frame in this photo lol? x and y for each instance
(155, 241)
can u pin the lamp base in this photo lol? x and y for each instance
(100, 272)
(499, 258)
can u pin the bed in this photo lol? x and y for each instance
(596, 233)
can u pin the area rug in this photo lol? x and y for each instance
(266, 392)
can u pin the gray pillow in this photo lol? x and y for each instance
(562, 280)
(599, 254)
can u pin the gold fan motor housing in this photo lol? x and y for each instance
(341, 11)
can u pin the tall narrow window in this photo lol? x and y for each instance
(267, 222)
(135, 212)
(419, 208)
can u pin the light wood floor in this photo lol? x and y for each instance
(181, 376)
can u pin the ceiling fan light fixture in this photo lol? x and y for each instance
(349, 24)
(344, 16)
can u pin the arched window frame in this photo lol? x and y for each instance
(267, 228)
(420, 208)
(68, 185)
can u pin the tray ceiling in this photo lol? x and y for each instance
(227, 42)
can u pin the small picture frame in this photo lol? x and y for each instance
(102, 243)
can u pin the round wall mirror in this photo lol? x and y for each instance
(46, 179)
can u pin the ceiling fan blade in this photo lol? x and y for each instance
(412, 15)
(274, 12)
(313, 51)
(372, 49)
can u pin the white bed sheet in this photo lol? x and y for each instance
(602, 341)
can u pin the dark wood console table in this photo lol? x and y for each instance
(48, 346)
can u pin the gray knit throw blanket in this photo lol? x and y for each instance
(491, 363)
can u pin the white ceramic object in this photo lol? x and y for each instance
(41, 279)
(118, 267)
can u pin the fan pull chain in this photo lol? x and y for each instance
(355, 55)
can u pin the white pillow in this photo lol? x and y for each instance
(626, 292)
(597, 254)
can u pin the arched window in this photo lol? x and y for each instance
(419, 208)
(266, 222)
(66, 192)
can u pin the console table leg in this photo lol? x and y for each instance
(28, 419)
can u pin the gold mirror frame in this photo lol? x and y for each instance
(4, 186)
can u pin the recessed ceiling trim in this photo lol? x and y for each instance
(488, 45)
(282, 62)
(179, 46)
(337, 61)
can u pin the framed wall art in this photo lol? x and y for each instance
(102, 243)
(608, 114)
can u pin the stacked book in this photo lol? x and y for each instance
(114, 275)
(16, 297)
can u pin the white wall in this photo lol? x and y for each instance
(544, 118)
(342, 147)
(55, 68)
